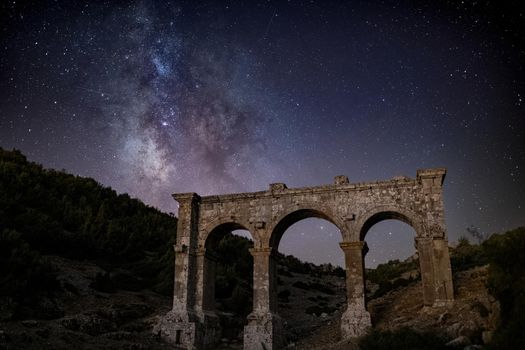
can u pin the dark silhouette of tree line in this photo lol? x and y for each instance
(48, 212)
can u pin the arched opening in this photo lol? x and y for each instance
(310, 273)
(391, 264)
(229, 273)
(389, 240)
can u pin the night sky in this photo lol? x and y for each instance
(155, 97)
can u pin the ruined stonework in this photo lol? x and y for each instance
(353, 207)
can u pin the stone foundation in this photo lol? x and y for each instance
(263, 332)
(177, 329)
(202, 332)
(355, 323)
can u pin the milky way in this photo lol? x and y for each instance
(153, 98)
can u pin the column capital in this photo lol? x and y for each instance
(262, 251)
(360, 245)
(186, 197)
(423, 239)
(207, 253)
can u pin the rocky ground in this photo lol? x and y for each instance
(470, 320)
(86, 318)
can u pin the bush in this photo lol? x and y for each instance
(56, 213)
(301, 285)
(24, 274)
(387, 286)
(507, 283)
(234, 275)
(103, 283)
(391, 270)
(403, 338)
(318, 310)
(284, 295)
(466, 256)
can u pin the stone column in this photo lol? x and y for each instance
(442, 273)
(264, 329)
(355, 321)
(180, 326)
(434, 258)
(436, 274)
(205, 298)
(209, 328)
(426, 266)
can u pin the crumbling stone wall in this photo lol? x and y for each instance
(353, 207)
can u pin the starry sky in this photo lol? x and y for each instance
(157, 97)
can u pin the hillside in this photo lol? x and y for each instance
(81, 266)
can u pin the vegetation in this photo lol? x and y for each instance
(290, 264)
(391, 270)
(507, 283)
(467, 255)
(47, 212)
(404, 338)
(234, 275)
(318, 310)
(389, 275)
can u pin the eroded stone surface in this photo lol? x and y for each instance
(263, 332)
(355, 322)
(353, 207)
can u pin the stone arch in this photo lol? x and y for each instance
(352, 207)
(276, 231)
(209, 237)
(379, 213)
(289, 218)
(215, 230)
(434, 285)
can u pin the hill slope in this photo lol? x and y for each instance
(46, 212)
(81, 266)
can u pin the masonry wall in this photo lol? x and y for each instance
(417, 201)
(352, 207)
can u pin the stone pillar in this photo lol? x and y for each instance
(181, 325)
(209, 327)
(443, 272)
(355, 321)
(205, 298)
(426, 266)
(436, 273)
(264, 329)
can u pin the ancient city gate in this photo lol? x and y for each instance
(352, 207)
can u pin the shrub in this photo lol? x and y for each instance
(234, 274)
(466, 256)
(322, 288)
(301, 285)
(103, 283)
(403, 338)
(507, 283)
(318, 310)
(391, 270)
(387, 286)
(284, 295)
(61, 214)
(25, 276)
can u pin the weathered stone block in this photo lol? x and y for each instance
(355, 323)
(263, 332)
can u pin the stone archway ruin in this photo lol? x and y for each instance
(352, 207)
